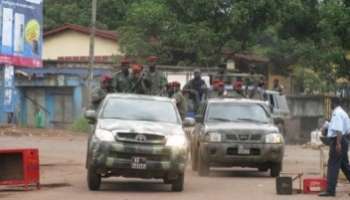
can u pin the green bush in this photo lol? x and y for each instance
(81, 125)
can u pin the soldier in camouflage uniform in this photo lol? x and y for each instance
(121, 82)
(100, 93)
(238, 86)
(179, 98)
(155, 79)
(197, 89)
(138, 83)
(218, 89)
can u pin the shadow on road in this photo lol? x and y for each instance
(135, 186)
(9, 189)
(228, 173)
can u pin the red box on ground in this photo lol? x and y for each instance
(314, 185)
(19, 167)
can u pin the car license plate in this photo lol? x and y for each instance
(243, 151)
(138, 163)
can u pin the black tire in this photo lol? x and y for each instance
(263, 169)
(166, 180)
(93, 179)
(275, 169)
(178, 184)
(194, 161)
(203, 167)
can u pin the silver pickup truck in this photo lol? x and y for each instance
(136, 136)
(236, 132)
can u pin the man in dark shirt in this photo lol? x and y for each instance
(196, 87)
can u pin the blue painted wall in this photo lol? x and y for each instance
(73, 78)
(2, 114)
(49, 104)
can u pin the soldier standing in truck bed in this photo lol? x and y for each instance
(121, 82)
(218, 89)
(179, 98)
(155, 79)
(100, 93)
(138, 82)
(196, 88)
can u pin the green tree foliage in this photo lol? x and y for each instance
(197, 31)
(111, 13)
(314, 34)
(58, 12)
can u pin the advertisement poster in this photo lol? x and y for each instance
(9, 88)
(21, 32)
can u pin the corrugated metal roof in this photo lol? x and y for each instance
(41, 72)
(112, 35)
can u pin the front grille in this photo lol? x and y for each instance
(234, 152)
(243, 137)
(141, 138)
(163, 155)
(255, 137)
(231, 137)
(149, 157)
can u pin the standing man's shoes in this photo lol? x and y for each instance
(326, 194)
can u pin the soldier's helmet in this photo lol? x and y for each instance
(136, 68)
(176, 84)
(125, 62)
(152, 59)
(173, 85)
(106, 78)
(217, 84)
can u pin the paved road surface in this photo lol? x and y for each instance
(63, 177)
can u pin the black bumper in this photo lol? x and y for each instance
(115, 158)
(228, 154)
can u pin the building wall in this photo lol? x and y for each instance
(61, 101)
(71, 43)
(2, 114)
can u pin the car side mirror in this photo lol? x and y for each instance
(189, 122)
(199, 119)
(91, 116)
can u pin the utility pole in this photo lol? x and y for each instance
(92, 49)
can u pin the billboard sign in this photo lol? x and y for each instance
(21, 32)
(9, 88)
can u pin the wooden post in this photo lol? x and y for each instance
(92, 49)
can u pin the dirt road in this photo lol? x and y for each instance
(63, 176)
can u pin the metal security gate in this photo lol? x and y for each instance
(56, 105)
(35, 102)
(63, 107)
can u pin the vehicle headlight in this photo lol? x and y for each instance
(214, 137)
(179, 141)
(274, 138)
(104, 135)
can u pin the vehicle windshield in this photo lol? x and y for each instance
(140, 110)
(233, 112)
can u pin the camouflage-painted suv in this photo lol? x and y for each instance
(136, 136)
(236, 132)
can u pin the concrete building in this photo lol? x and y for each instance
(58, 89)
(71, 43)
